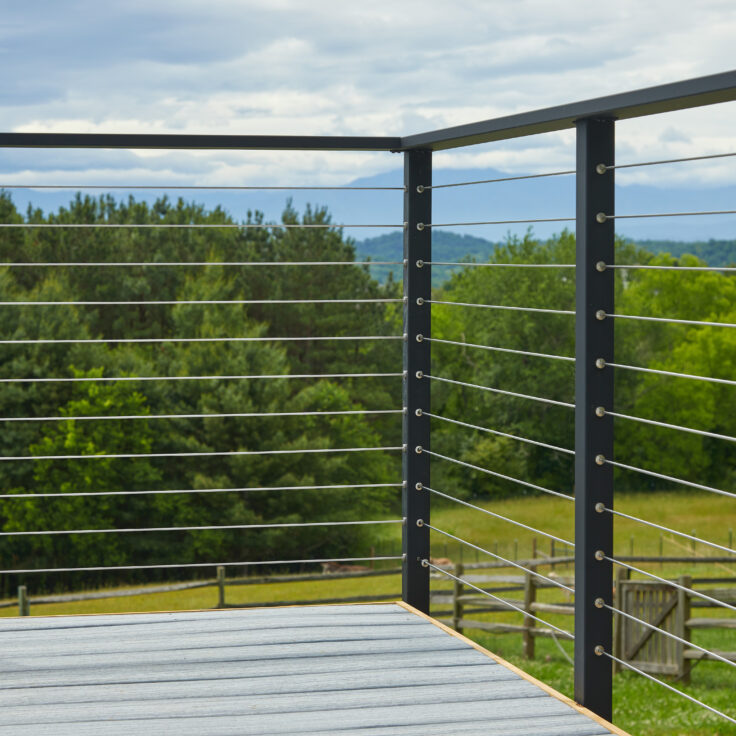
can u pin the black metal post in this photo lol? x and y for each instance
(417, 322)
(593, 433)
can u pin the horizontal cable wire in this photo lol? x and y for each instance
(669, 268)
(668, 686)
(671, 320)
(196, 565)
(668, 634)
(665, 425)
(673, 374)
(498, 557)
(181, 226)
(500, 391)
(498, 516)
(501, 265)
(496, 432)
(196, 490)
(179, 187)
(229, 453)
(493, 181)
(671, 583)
(666, 214)
(666, 161)
(206, 416)
(499, 475)
(566, 634)
(56, 532)
(201, 378)
(498, 306)
(500, 350)
(670, 478)
(197, 339)
(495, 222)
(197, 301)
(671, 531)
(166, 264)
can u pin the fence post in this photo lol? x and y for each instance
(682, 629)
(530, 594)
(220, 586)
(417, 322)
(24, 605)
(594, 286)
(457, 604)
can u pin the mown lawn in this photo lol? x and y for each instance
(641, 707)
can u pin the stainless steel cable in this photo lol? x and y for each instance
(184, 226)
(181, 187)
(197, 565)
(667, 686)
(500, 350)
(566, 634)
(652, 524)
(422, 187)
(511, 563)
(498, 306)
(666, 268)
(496, 432)
(673, 374)
(158, 492)
(601, 168)
(174, 302)
(229, 453)
(56, 532)
(689, 591)
(602, 216)
(500, 265)
(167, 264)
(201, 378)
(668, 634)
(665, 425)
(500, 475)
(500, 391)
(670, 478)
(118, 340)
(499, 516)
(671, 320)
(494, 222)
(205, 416)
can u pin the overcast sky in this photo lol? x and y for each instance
(377, 67)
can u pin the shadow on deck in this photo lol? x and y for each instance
(380, 669)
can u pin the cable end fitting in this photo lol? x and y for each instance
(600, 411)
(420, 226)
(420, 522)
(600, 266)
(420, 188)
(418, 412)
(601, 218)
(601, 169)
(418, 449)
(600, 314)
(600, 650)
(405, 336)
(420, 337)
(600, 555)
(419, 374)
(600, 459)
(420, 263)
(600, 363)
(420, 301)
(599, 603)
(419, 486)
(600, 507)
(425, 563)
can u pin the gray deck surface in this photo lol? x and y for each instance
(337, 670)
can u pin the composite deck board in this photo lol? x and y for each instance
(338, 670)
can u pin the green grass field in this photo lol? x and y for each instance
(641, 707)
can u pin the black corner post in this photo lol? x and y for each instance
(417, 322)
(594, 285)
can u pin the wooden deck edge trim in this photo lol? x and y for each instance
(200, 610)
(533, 680)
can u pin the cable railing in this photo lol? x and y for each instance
(465, 414)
